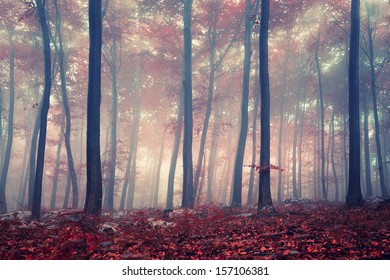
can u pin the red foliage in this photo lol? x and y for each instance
(264, 168)
(297, 231)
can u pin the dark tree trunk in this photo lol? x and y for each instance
(265, 198)
(187, 196)
(354, 195)
(238, 164)
(175, 153)
(7, 155)
(37, 195)
(93, 199)
(65, 102)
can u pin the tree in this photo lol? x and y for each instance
(354, 195)
(237, 179)
(7, 156)
(65, 102)
(93, 199)
(37, 194)
(265, 198)
(374, 100)
(187, 196)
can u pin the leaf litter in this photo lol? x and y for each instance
(300, 230)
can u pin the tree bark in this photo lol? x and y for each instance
(65, 102)
(93, 199)
(367, 162)
(354, 195)
(321, 99)
(265, 198)
(7, 155)
(37, 194)
(374, 103)
(57, 167)
(187, 196)
(281, 121)
(238, 164)
(175, 153)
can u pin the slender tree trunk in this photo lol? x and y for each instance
(114, 117)
(57, 167)
(300, 143)
(158, 169)
(354, 195)
(297, 124)
(367, 148)
(281, 122)
(250, 199)
(321, 99)
(213, 154)
(212, 35)
(61, 56)
(93, 199)
(37, 195)
(265, 198)
(336, 181)
(187, 196)
(374, 103)
(7, 156)
(67, 191)
(133, 177)
(238, 164)
(175, 153)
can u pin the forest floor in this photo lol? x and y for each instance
(311, 230)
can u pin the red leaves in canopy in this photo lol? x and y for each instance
(263, 168)
(297, 231)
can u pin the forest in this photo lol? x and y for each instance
(207, 129)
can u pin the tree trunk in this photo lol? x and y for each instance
(354, 195)
(212, 35)
(93, 199)
(297, 124)
(175, 153)
(65, 102)
(265, 198)
(300, 143)
(57, 167)
(367, 148)
(7, 155)
(321, 99)
(336, 181)
(187, 196)
(132, 179)
(37, 194)
(281, 121)
(374, 103)
(251, 187)
(238, 164)
(160, 159)
(114, 117)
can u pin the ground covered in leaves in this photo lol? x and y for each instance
(311, 230)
